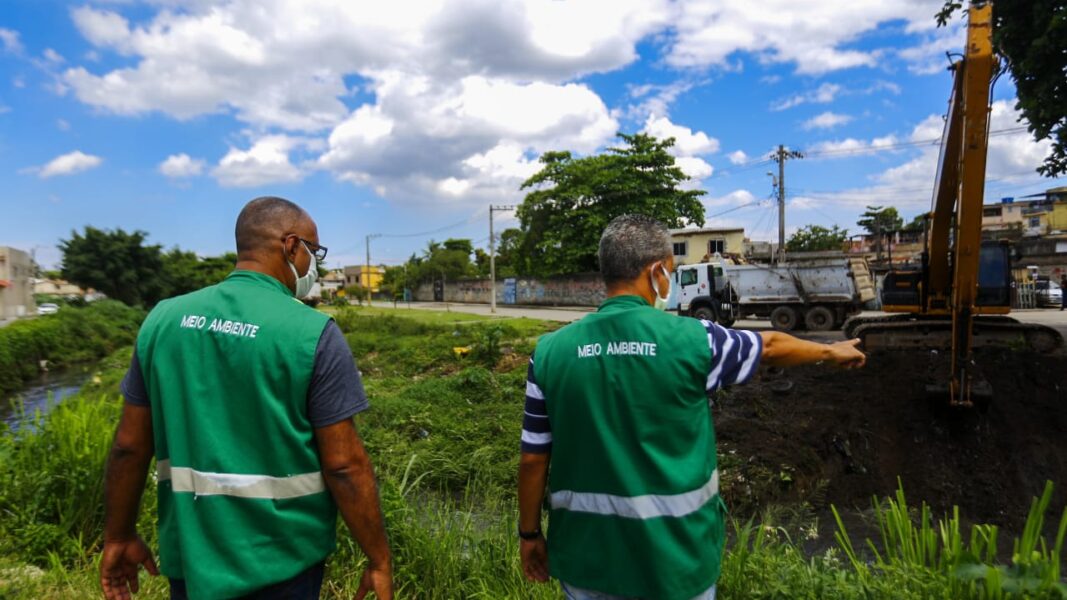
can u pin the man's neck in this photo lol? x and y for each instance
(629, 289)
(258, 266)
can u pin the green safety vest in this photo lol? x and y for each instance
(242, 500)
(633, 480)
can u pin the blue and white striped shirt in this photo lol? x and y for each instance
(735, 355)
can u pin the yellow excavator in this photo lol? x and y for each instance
(960, 297)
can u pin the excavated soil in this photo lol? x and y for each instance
(842, 437)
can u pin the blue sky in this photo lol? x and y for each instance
(409, 117)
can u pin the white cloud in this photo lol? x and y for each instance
(1012, 156)
(69, 164)
(253, 56)
(929, 58)
(737, 157)
(814, 35)
(102, 28)
(62, 125)
(824, 94)
(9, 39)
(688, 146)
(655, 100)
(686, 141)
(181, 165)
(472, 139)
(52, 56)
(265, 163)
(826, 120)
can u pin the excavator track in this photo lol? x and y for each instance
(903, 333)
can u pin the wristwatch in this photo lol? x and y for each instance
(530, 535)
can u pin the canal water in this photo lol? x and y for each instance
(42, 393)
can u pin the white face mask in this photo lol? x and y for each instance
(303, 284)
(661, 302)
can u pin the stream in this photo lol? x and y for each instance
(42, 393)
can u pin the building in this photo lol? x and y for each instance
(692, 246)
(17, 273)
(360, 275)
(57, 287)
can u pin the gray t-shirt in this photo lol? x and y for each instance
(335, 392)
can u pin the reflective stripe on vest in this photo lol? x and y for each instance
(638, 507)
(184, 479)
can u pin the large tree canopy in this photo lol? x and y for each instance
(878, 220)
(1032, 36)
(124, 267)
(116, 263)
(573, 199)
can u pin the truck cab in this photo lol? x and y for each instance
(704, 293)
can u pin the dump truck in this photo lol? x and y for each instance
(818, 294)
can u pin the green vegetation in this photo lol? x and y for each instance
(813, 238)
(124, 267)
(443, 431)
(70, 336)
(571, 200)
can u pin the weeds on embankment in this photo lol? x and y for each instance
(443, 433)
(69, 336)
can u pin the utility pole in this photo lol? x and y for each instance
(492, 256)
(780, 157)
(370, 237)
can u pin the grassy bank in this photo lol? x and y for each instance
(443, 432)
(72, 335)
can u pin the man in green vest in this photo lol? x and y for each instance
(618, 428)
(245, 398)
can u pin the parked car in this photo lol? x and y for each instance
(1048, 293)
(47, 308)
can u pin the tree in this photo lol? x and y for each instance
(571, 200)
(878, 220)
(917, 224)
(509, 245)
(186, 272)
(814, 238)
(1032, 36)
(116, 263)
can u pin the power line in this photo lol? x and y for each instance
(896, 145)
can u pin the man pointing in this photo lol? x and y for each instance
(617, 427)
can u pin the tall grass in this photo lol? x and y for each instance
(443, 434)
(940, 560)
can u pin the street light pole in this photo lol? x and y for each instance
(492, 256)
(367, 270)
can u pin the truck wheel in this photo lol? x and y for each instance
(704, 313)
(819, 318)
(784, 318)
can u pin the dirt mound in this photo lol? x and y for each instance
(842, 437)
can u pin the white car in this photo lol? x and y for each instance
(47, 308)
(1049, 294)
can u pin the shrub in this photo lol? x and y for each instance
(70, 336)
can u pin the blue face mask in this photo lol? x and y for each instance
(303, 284)
(662, 302)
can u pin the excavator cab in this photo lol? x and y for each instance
(902, 289)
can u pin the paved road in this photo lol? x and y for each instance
(1051, 317)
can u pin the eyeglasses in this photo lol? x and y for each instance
(319, 252)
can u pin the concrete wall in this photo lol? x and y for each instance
(576, 290)
(16, 292)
